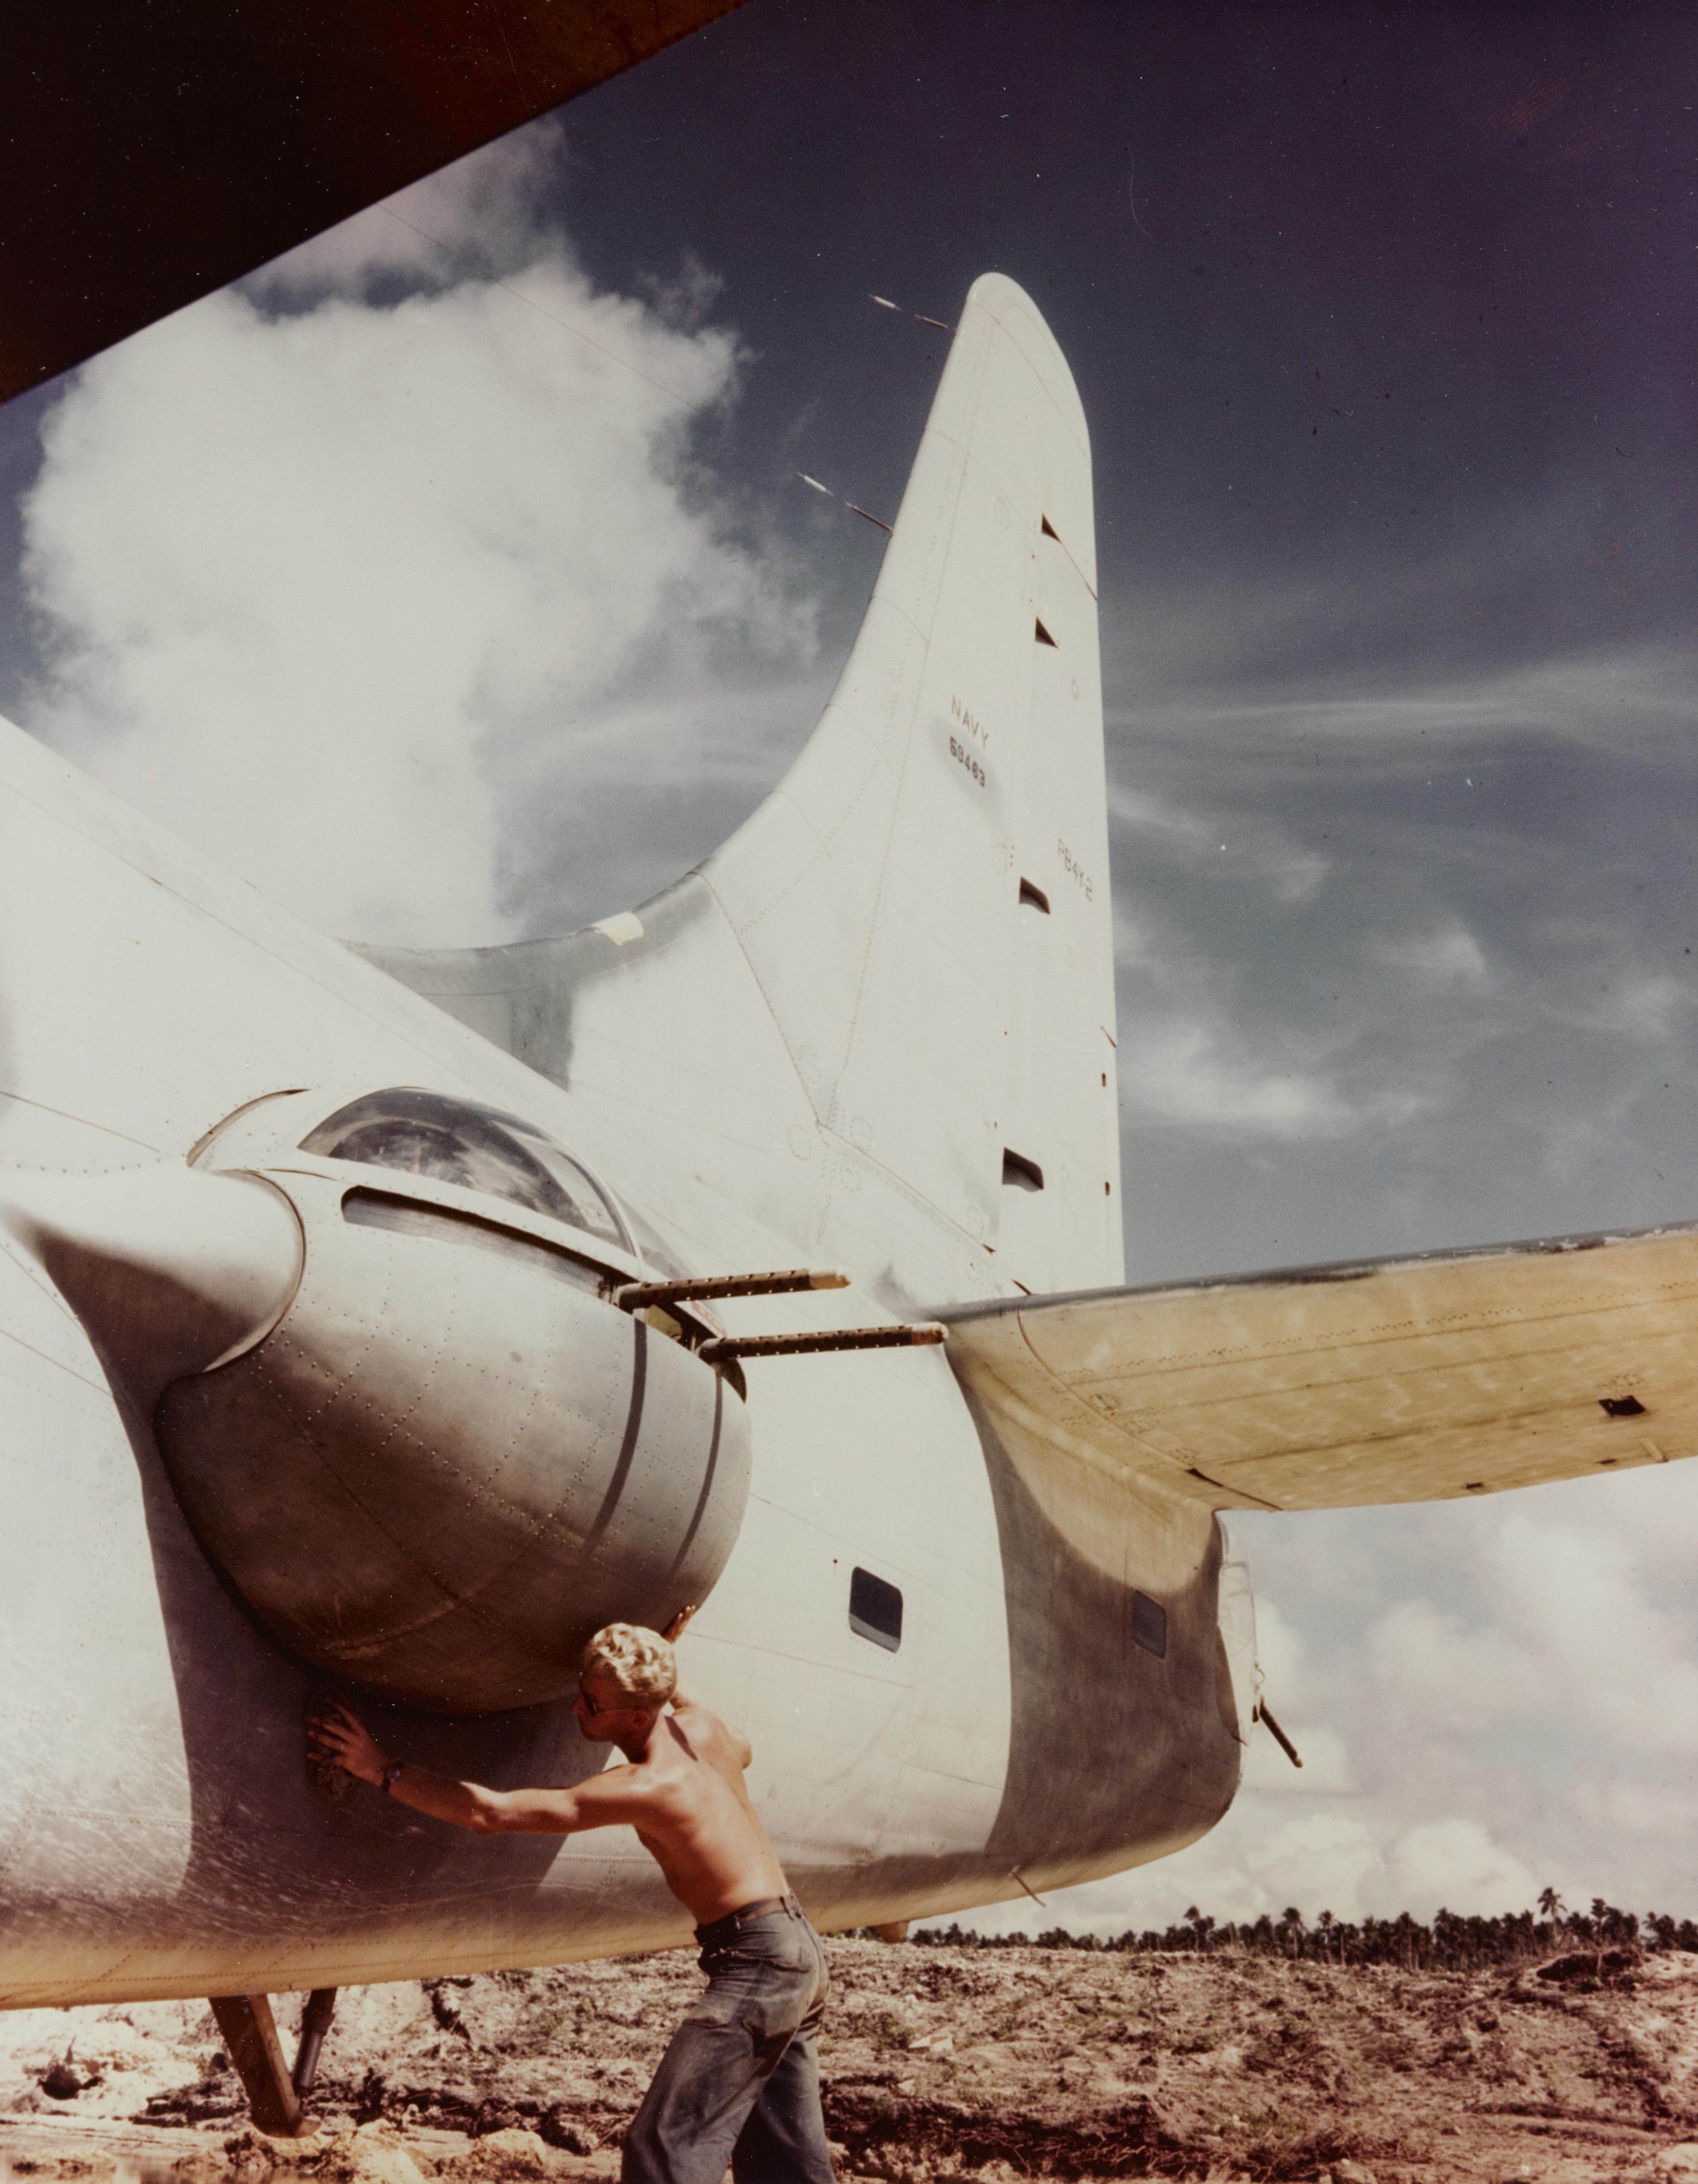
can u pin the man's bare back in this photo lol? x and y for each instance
(693, 1814)
(682, 1789)
(740, 2083)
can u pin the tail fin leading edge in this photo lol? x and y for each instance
(924, 899)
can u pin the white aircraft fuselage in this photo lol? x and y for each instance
(312, 1374)
(321, 1369)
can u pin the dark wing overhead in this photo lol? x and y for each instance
(152, 150)
(1460, 1372)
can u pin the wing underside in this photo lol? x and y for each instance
(1413, 1379)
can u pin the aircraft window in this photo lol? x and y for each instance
(875, 1610)
(1150, 1624)
(378, 1209)
(1033, 897)
(479, 1148)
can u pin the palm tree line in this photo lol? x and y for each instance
(1451, 1942)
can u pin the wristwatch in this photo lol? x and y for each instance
(391, 1771)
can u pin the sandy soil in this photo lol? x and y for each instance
(938, 2063)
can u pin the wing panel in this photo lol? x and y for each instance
(1406, 1381)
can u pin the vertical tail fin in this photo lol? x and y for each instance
(925, 898)
(918, 917)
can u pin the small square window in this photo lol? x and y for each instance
(875, 1610)
(1150, 1624)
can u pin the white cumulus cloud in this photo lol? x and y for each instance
(1638, 1809)
(1447, 957)
(1458, 1863)
(310, 577)
(1323, 1859)
(1443, 1675)
(1189, 1072)
(1609, 1652)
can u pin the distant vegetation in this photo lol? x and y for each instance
(1450, 1943)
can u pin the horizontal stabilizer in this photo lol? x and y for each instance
(1413, 1380)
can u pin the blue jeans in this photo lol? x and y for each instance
(739, 2085)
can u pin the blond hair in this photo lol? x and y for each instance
(639, 1664)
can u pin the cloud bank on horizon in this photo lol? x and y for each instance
(1489, 1701)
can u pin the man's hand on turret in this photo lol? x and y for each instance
(341, 1739)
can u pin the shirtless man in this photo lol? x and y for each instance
(739, 2085)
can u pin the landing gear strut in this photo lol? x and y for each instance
(275, 2093)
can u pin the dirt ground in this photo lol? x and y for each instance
(938, 2063)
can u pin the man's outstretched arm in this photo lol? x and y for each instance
(343, 1739)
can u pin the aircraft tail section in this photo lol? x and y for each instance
(925, 898)
(904, 958)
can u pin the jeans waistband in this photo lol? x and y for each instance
(725, 1929)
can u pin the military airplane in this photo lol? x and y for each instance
(379, 1324)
